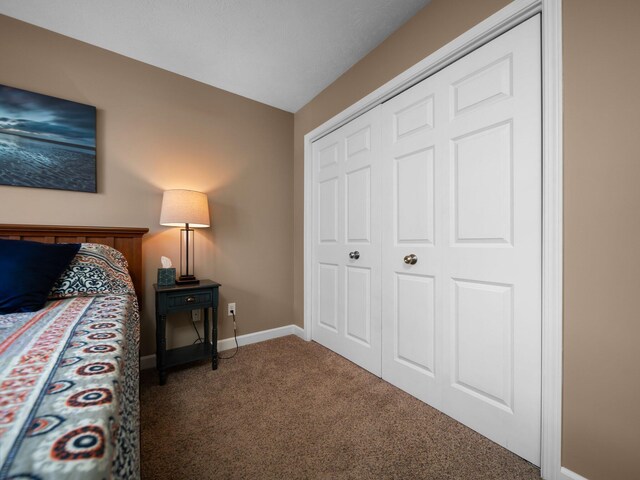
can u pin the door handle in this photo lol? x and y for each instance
(411, 259)
(354, 255)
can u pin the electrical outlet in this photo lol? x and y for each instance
(196, 315)
(231, 307)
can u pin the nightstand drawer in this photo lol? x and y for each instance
(195, 299)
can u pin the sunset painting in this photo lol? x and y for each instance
(46, 142)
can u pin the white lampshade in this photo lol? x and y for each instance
(184, 206)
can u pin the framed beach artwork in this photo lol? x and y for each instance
(46, 142)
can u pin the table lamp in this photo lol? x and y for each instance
(189, 210)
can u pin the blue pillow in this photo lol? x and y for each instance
(28, 270)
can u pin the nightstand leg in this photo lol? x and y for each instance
(206, 325)
(214, 338)
(161, 348)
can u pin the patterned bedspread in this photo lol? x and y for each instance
(69, 390)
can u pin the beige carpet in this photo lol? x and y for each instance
(294, 410)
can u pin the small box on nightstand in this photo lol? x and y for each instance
(166, 277)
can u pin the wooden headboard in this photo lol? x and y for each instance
(124, 239)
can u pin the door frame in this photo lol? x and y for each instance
(552, 192)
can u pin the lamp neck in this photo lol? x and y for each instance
(187, 251)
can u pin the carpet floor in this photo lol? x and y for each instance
(292, 409)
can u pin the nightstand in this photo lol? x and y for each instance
(181, 298)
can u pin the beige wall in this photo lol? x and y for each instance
(156, 131)
(602, 245)
(601, 424)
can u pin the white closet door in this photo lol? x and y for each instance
(346, 301)
(412, 219)
(461, 159)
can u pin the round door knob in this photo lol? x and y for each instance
(411, 259)
(354, 255)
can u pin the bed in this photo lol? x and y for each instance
(69, 404)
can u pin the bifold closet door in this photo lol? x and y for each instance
(461, 241)
(346, 259)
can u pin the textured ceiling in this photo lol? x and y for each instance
(279, 52)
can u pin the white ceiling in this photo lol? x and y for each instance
(279, 52)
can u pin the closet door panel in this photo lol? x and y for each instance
(346, 305)
(483, 346)
(414, 322)
(328, 211)
(414, 202)
(410, 305)
(358, 208)
(483, 187)
(465, 198)
(492, 302)
(328, 296)
(358, 314)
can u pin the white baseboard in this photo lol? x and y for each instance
(149, 361)
(566, 474)
(298, 331)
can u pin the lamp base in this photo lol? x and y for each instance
(186, 280)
